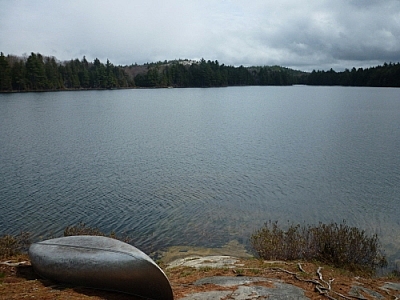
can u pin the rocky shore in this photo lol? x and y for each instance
(202, 273)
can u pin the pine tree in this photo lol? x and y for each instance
(35, 73)
(110, 77)
(83, 74)
(52, 73)
(5, 74)
(18, 75)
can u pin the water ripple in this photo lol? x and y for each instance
(185, 167)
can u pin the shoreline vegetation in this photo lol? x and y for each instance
(337, 245)
(39, 73)
(18, 280)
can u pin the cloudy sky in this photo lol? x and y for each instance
(305, 35)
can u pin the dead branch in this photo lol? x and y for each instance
(12, 264)
(323, 288)
(321, 278)
(301, 268)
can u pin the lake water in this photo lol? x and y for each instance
(201, 166)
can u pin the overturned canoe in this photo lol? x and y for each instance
(102, 263)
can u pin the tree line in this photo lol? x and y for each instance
(387, 75)
(212, 74)
(39, 73)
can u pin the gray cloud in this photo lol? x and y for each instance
(299, 34)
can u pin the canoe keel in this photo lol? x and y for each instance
(101, 263)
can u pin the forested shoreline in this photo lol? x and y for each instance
(45, 73)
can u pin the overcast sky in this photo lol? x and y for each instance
(300, 34)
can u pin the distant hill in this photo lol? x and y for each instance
(189, 73)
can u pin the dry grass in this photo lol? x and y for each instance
(336, 244)
(11, 245)
(22, 283)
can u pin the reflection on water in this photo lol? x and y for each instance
(200, 167)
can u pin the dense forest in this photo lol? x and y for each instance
(37, 73)
(41, 73)
(387, 75)
(212, 74)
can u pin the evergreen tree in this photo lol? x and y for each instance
(110, 76)
(18, 76)
(35, 72)
(97, 75)
(54, 80)
(83, 73)
(5, 74)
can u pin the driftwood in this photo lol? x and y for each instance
(14, 264)
(322, 286)
(301, 268)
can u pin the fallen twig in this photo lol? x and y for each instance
(320, 278)
(323, 288)
(301, 268)
(12, 264)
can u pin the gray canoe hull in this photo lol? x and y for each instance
(102, 263)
